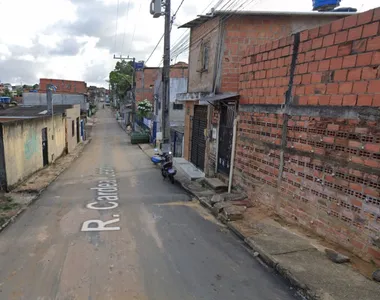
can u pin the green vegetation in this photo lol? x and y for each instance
(8, 208)
(120, 78)
(144, 108)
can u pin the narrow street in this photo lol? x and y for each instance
(156, 244)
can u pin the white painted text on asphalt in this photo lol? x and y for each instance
(106, 199)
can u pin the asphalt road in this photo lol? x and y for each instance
(148, 242)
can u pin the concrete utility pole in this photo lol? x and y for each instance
(166, 81)
(133, 88)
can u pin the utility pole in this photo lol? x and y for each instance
(166, 81)
(156, 11)
(133, 88)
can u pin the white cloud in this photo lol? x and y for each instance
(75, 39)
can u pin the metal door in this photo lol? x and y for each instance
(198, 142)
(45, 157)
(226, 125)
(78, 132)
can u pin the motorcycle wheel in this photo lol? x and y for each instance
(171, 177)
(163, 173)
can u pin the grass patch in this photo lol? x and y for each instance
(8, 208)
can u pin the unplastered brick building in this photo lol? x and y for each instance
(218, 42)
(308, 139)
(146, 78)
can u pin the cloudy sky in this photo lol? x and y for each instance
(76, 39)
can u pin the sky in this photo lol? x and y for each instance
(76, 39)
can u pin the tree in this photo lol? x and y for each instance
(120, 78)
(36, 86)
(7, 93)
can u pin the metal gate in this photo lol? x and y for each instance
(176, 140)
(198, 142)
(226, 125)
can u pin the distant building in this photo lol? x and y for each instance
(146, 78)
(64, 86)
(31, 98)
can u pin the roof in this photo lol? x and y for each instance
(217, 97)
(27, 112)
(204, 18)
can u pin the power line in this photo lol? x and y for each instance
(155, 48)
(183, 46)
(186, 34)
(223, 19)
(134, 31)
(117, 19)
(125, 26)
(171, 24)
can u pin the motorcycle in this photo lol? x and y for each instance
(166, 161)
(157, 158)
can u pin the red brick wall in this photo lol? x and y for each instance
(308, 140)
(243, 32)
(64, 86)
(148, 76)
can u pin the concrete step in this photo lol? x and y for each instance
(216, 184)
(190, 171)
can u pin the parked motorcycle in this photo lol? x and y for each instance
(166, 161)
(157, 158)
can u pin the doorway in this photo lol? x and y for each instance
(78, 132)
(45, 157)
(198, 142)
(226, 126)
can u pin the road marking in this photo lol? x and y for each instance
(107, 195)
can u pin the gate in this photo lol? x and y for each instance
(176, 139)
(198, 142)
(226, 125)
(44, 138)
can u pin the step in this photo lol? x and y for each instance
(216, 184)
(187, 169)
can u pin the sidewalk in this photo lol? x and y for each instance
(297, 256)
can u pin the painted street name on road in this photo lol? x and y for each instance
(107, 197)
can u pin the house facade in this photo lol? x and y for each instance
(147, 77)
(31, 138)
(217, 45)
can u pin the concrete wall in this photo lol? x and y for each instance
(177, 85)
(23, 145)
(308, 143)
(40, 99)
(202, 81)
(71, 115)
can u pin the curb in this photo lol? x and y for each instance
(38, 193)
(268, 259)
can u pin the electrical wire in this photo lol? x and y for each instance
(117, 19)
(171, 24)
(211, 30)
(134, 31)
(185, 36)
(180, 48)
(125, 27)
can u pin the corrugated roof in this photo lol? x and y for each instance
(204, 18)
